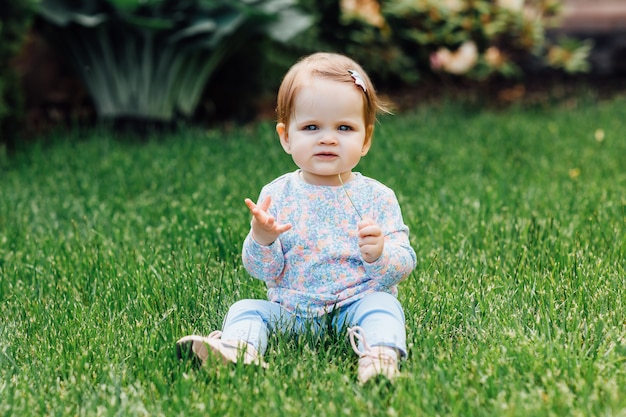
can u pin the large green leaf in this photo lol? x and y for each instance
(87, 13)
(289, 25)
(152, 59)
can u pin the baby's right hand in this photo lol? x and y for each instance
(265, 228)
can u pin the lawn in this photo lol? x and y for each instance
(111, 249)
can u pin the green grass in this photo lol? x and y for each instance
(111, 250)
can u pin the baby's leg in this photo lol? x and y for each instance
(378, 326)
(250, 321)
(244, 337)
(381, 319)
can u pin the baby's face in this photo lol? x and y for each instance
(327, 134)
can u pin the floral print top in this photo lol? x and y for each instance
(317, 266)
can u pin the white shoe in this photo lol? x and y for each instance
(375, 360)
(229, 351)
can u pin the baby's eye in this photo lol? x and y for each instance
(345, 128)
(310, 127)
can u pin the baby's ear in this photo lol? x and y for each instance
(281, 129)
(367, 143)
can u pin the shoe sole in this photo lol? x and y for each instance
(192, 348)
(196, 348)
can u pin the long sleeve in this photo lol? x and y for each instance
(263, 262)
(398, 258)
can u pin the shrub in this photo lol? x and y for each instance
(403, 40)
(481, 38)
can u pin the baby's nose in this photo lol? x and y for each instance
(328, 138)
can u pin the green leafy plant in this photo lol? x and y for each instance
(152, 59)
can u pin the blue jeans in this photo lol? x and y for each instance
(379, 314)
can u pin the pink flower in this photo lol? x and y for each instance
(458, 62)
(366, 10)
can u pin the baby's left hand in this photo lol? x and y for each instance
(371, 240)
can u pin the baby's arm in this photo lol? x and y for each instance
(396, 260)
(262, 254)
(265, 228)
(384, 243)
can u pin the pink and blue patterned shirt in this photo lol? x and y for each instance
(317, 266)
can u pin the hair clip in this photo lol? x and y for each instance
(358, 80)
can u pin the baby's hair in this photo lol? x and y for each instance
(330, 66)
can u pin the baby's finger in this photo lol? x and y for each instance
(269, 222)
(283, 228)
(372, 230)
(250, 204)
(265, 204)
(366, 221)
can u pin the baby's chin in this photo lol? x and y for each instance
(327, 179)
